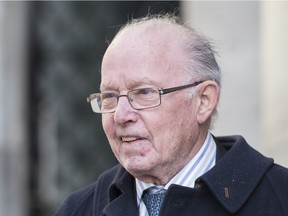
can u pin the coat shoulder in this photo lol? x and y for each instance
(279, 174)
(77, 201)
(80, 203)
(277, 177)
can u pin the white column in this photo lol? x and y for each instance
(274, 88)
(13, 110)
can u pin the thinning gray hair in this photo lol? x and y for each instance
(201, 63)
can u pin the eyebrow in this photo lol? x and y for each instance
(145, 81)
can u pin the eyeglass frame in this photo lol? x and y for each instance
(161, 92)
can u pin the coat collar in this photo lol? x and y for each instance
(236, 174)
(121, 191)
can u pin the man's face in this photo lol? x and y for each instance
(159, 141)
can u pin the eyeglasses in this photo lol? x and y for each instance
(139, 99)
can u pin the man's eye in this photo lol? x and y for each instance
(146, 91)
(108, 95)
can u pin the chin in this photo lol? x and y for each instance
(138, 169)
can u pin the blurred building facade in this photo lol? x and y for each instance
(50, 54)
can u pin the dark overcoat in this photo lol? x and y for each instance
(242, 183)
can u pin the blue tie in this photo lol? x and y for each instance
(153, 201)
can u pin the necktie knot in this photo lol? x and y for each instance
(153, 201)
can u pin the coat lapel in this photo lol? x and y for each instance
(236, 174)
(122, 195)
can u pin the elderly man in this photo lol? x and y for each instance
(160, 87)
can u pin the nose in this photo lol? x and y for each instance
(124, 112)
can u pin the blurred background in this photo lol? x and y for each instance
(51, 143)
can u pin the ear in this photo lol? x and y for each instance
(208, 97)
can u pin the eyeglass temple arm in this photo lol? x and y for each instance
(168, 90)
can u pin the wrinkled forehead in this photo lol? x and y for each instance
(152, 51)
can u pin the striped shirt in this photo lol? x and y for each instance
(202, 162)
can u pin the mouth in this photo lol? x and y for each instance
(128, 139)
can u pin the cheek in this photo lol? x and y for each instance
(108, 126)
(164, 132)
(175, 126)
(110, 131)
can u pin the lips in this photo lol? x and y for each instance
(129, 139)
(130, 136)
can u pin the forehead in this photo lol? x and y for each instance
(144, 54)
